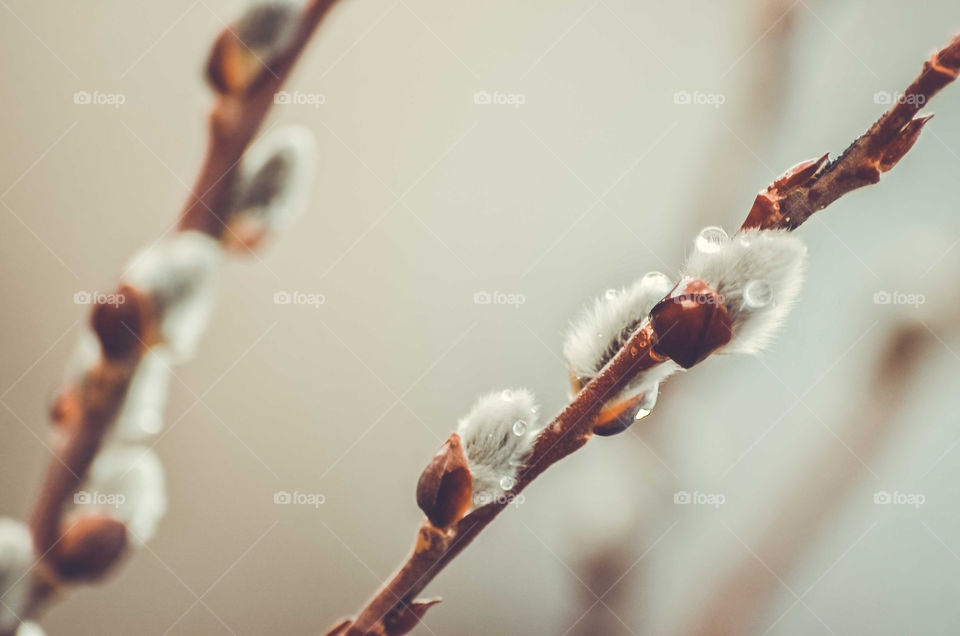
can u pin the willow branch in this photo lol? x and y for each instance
(786, 204)
(84, 413)
(234, 121)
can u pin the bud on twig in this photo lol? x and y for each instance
(89, 546)
(243, 52)
(690, 324)
(272, 186)
(405, 616)
(122, 327)
(445, 486)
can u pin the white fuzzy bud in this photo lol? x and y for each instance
(141, 415)
(16, 561)
(605, 328)
(498, 434)
(126, 483)
(178, 275)
(273, 183)
(758, 275)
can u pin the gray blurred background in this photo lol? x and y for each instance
(422, 199)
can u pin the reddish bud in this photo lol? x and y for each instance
(405, 616)
(902, 143)
(232, 68)
(445, 487)
(89, 546)
(691, 324)
(765, 213)
(122, 326)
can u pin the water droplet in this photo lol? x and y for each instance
(711, 239)
(519, 427)
(611, 294)
(507, 395)
(658, 279)
(508, 482)
(534, 410)
(757, 294)
(650, 401)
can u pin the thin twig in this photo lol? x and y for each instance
(786, 204)
(85, 414)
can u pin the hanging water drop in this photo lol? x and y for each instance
(649, 401)
(711, 239)
(658, 279)
(519, 428)
(757, 294)
(508, 482)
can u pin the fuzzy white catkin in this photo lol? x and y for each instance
(773, 257)
(273, 185)
(178, 274)
(127, 483)
(16, 561)
(606, 327)
(602, 330)
(141, 415)
(498, 435)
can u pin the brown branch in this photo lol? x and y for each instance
(84, 413)
(786, 204)
(234, 122)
